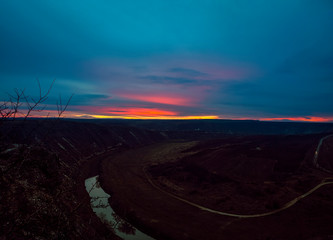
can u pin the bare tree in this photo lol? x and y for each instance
(35, 104)
(62, 108)
(9, 108)
(19, 104)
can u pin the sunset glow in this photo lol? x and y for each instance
(156, 117)
(300, 119)
(153, 113)
(141, 112)
(88, 112)
(152, 98)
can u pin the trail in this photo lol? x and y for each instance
(315, 157)
(284, 207)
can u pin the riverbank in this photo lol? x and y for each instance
(157, 214)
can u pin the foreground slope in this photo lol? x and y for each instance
(43, 166)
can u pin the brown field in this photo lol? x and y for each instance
(239, 175)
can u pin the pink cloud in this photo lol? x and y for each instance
(170, 99)
(301, 119)
(127, 111)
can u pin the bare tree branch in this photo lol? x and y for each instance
(42, 98)
(10, 109)
(61, 108)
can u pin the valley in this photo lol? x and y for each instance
(209, 188)
(167, 182)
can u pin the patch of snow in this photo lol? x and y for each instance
(70, 144)
(134, 136)
(15, 146)
(61, 146)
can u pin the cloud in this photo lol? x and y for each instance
(314, 61)
(168, 99)
(127, 111)
(168, 80)
(299, 119)
(141, 112)
(188, 72)
(82, 99)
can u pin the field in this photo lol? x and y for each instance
(160, 188)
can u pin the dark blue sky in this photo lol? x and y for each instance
(228, 59)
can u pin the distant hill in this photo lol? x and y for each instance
(242, 127)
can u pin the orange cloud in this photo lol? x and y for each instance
(134, 113)
(156, 117)
(141, 111)
(300, 119)
(158, 98)
(126, 111)
(156, 113)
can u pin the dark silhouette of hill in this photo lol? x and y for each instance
(241, 127)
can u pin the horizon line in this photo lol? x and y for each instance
(106, 117)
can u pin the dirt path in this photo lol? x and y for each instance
(284, 207)
(316, 155)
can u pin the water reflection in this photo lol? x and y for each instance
(100, 205)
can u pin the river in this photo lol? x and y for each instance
(100, 205)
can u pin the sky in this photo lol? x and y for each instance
(172, 59)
